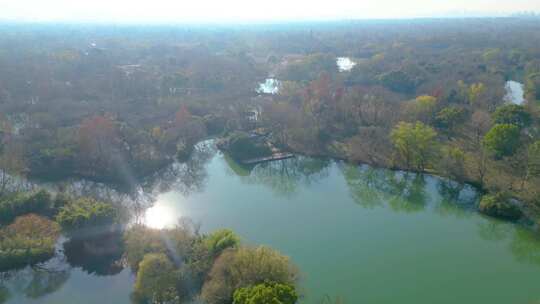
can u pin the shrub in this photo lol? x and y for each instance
(220, 240)
(205, 250)
(181, 243)
(266, 293)
(29, 239)
(20, 203)
(499, 205)
(141, 240)
(157, 280)
(244, 267)
(85, 213)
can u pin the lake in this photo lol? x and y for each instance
(269, 86)
(345, 64)
(365, 235)
(515, 93)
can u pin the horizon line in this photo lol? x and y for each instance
(522, 15)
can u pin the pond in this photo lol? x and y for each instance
(514, 92)
(345, 64)
(363, 234)
(269, 86)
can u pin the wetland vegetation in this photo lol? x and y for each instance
(131, 162)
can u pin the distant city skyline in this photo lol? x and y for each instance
(204, 11)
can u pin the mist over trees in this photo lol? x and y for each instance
(120, 104)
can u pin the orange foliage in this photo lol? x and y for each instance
(182, 116)
(97, 135)
(32, 225)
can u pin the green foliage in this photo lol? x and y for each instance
(532, 87)
(423, 107)
(245, 267)
(398, 81)
(20, 203)
(449, 118)
(499, 205)
(220, 240)
(533, 165)
(86, 213)
(502, 140)
(512, 114)
(150, 252)
(242, 146)
(516, 56)
(28, 240)
(363, 73)
(415, 143)
(157, 281)
(491, 54)
(452, 162)
(426, 102)
(181, 243)
(266, 293)
(475, 91)
(139, 241)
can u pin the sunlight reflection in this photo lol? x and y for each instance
(161, 215)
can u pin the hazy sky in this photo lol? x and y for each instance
(248, 10)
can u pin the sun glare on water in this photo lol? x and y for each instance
(160, 216)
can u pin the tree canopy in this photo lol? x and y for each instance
(502, 140)
(512, 114)
(415, 143)
(266, 293)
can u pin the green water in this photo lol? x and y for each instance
(368, 235)
(361, 234)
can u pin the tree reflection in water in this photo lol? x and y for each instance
(371, 187)
(494, 230)
(35, 281)
(283, 177)
(188, 177)
(457, 199)
(525, 246)
(96, 254)
(524, 242)
(4, 294)
(406, 191)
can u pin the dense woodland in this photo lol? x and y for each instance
(118, 103)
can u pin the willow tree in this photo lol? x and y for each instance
(415, 143)
(423, 108)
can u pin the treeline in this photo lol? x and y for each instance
(466, 131)
(31, 223)
(116, 104)
(172, 265)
